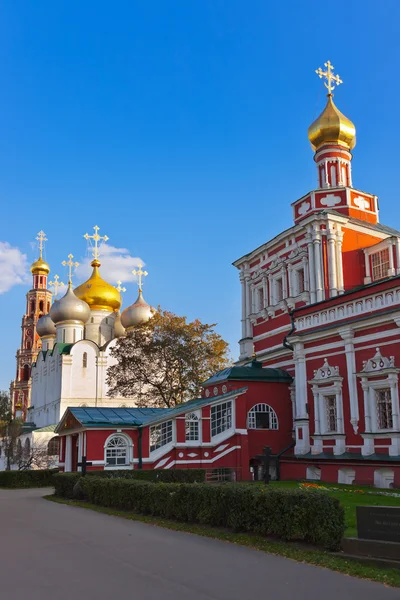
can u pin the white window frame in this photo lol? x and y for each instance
(381, 267)
(193, 417)
(370, 388)
(129, 452)
(377, 249)
(160, 449)
(260, 408)
(228, 430)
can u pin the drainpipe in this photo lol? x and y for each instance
(278, 472)
(140, 465)
(285, 343)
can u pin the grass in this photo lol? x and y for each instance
(320, 558)
(350, 499)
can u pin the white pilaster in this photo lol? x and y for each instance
(68, 454)
(339, 260)
(332, 274)
(347, 336)
(311, 269)
(318, 264)
(302, 419)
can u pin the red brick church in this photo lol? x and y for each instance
(321, 311)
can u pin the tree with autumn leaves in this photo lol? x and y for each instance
(163, 362)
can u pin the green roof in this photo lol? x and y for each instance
(47, 429)
(253, 371)
(136, 417)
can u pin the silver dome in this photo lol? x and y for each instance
(45, 326)
(119, 330)
(69, 308)
(139, 312)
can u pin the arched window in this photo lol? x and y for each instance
(117, 451)
(32, 307)
(27, 448)
(48, 307)
(84, 360)
(26, 374)
(192, 427)
(53, 447)
(262, 416)
(41, 306)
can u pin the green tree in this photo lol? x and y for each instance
(163, 362)
(5, 407)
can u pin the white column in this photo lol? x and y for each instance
(248, 307)
(291, 282)
(339, 261)
(317, 426)
(68, 454)
(243, 284)
(265, 290)
(367, 278)
(394, 394)
(349, 177)
(326, 174)
(80, 448)
(311, 268)
(347, 336)
(333, 285)
(302, 419)
(318, 264)
(284, 283)
(391, 262)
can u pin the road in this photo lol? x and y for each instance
(55, 552)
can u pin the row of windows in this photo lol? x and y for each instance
(278, 290)
(383, 406)
(261, 416)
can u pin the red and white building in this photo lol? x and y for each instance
(321, 308)
(224, 429)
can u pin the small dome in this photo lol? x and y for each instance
(332, 127)
(97, 293)
(69, 308)
(119, 330)
(45, 326)
(40, 267)
(139, 312)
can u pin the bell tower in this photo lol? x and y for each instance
(38, 303)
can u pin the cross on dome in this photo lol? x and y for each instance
(70, 264)
(139, 273)
(96, 238)
(119, 287)
(41, 238)
(56, 284)
(329, 76)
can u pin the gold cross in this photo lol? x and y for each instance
(96, 238)
(56, 284)
(140, 274)
(329, 76)
(70, 264)
(119, 287)
(41, 238)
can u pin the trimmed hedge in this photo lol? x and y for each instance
(27, 479)
(309, 515)
(64, 482)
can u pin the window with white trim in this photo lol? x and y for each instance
(331, 413)
(192, 427)
(380, 264)
(221, 418)
(117, 451)
(278, 290)
(260, 298)
(262, 416)
(160, 435)
(384, 408)
(53, 447)
(300, 281)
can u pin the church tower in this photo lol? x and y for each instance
(38, 303)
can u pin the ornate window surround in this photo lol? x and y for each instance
(327, 382)
(129, 452)
(193, 417)
(386, 244)
(262, 407)
(380, 373)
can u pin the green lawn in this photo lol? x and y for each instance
(350, 500)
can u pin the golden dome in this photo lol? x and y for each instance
(40, 267)
(96, 292)
(332, 127)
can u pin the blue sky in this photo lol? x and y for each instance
(180, 128)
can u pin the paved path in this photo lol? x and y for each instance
(55, 552)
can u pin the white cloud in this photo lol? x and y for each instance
(13, 267)
(116, 265)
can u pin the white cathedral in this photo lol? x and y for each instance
(74, 341)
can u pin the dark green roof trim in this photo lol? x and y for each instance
(253, 371)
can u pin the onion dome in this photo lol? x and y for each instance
(137, 313)
(97, 293)
(332, 127)
(45, 326)
(69, 308)
(40, 267)
(119, 330)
